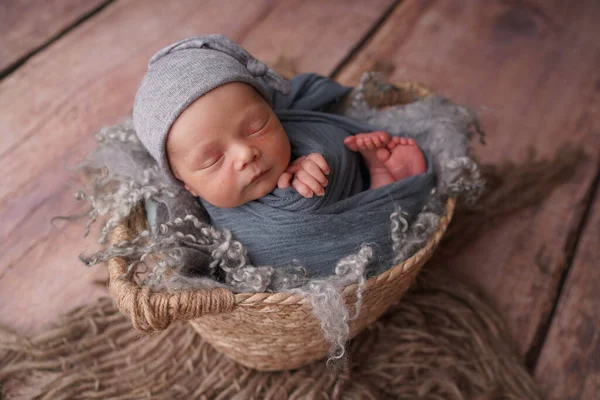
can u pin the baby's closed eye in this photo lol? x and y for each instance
(256, 124)
(258, 131)
(208, 161)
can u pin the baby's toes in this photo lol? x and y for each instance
(382, 138)
(411, 142)
(395, 141)
(350, 143)
(376, 142)
(364, 143)
(403, 141)
(360, 142)
(370, 143)
(383, 154)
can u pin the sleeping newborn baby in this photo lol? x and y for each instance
(228, 148)
(266, 159)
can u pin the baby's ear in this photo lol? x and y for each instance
(190, 190)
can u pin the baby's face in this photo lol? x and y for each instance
(228, 147)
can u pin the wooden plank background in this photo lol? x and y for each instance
(27, 25)
(569, 365)
(531, 69)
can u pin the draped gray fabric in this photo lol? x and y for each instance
(284, 226)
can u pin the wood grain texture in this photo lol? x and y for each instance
(25, 25)
(569, 365)
(532, 71)
(88, 79)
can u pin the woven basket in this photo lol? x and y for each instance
(265, 331)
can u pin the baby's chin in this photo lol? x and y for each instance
(256, 193)
(262, 189)
(252, 192)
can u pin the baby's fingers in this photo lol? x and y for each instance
(319, 160)
(310, 182)
(301, 188)
(295, 165)
(314, 170)
(284, 180)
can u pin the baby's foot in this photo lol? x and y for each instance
(372, 147)
(402, 158)
(388, 159)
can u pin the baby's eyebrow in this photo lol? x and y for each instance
(254, 111)
(253, 114)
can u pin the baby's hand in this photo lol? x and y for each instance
(307, 175)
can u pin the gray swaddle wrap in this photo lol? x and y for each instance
(317, 232)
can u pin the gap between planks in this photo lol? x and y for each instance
(533, 354)
(12, 67)
(362, 43)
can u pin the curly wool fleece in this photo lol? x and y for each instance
(197, 255)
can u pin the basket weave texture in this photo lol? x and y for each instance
(265, 331)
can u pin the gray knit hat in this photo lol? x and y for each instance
(184, 71)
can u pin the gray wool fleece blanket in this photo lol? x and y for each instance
(283, 227)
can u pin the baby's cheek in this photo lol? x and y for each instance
(227, 187)
(271, 144)
(267, 140)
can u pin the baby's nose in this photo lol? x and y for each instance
(245, 155)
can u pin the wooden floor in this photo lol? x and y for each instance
(531, 68)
